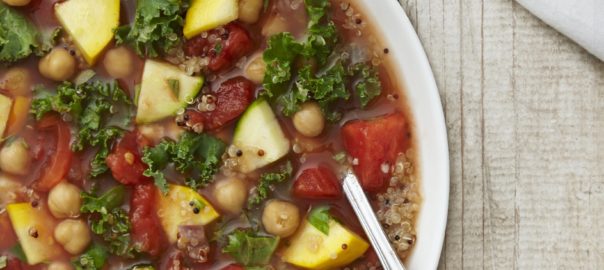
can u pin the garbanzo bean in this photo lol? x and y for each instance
(230, 194)
(73, 234)
(280, 218)
(256, 69)
(64, 200)
(57, 65)
(249, 10)
(309, 120)
(15, 158)
(118, 62)
(17, 81)
(274, 25)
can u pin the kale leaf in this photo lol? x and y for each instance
(157, 27)
(109, 220)
(100, 111)
(250, 249)
(279, 56)
(267, 180)
(197, 155)
(93, 259)
(368, 84)
(319, 218)
(19, 38)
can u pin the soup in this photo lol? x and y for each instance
(210, 134)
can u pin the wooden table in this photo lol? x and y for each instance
(525, 114)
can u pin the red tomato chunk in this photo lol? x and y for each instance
(224, 46)
(125, 161)
(231, 99)
(146, 230)
(375, 144)
(317, 183)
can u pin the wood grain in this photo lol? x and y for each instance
(525, 115)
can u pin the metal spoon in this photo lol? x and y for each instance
(357, 198)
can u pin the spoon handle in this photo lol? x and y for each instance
(357, 198)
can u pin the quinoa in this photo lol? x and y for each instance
(398, 207)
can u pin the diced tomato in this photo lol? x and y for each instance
(374, 144)
(232, 98)
(233, 266)
(59, 162)
(146, 232)
(224, 47)
(125, 160)
(317, 183)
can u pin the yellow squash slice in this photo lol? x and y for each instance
(312, 249)
(31, 226)
(90, 23)
(178, 207)
(204, 15)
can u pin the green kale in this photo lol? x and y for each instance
(100, 111)
(319, 218)
(368, 85)
(157, 27)
(279, 56)
(267, 180)
(322, 37)
(196, 155)
(93, 259)
(326, 89)
(250, 249)
(19, 38)
(109, 220)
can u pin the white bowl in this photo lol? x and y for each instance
(407, 57)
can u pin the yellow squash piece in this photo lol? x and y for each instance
(204, 15)
(28, 222)
(178, 208)
(312, 249)
(90, 23)
(5, 107)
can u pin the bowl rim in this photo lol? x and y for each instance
(407, 57)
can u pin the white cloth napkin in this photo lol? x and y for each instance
(580, 20)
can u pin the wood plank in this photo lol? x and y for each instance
(499, 137)
(560, 111)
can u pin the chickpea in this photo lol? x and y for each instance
(275, 25)
(309, 120)
(11, 190)
(249, 10)
(73, 234)
(280, 218)
(256, 69)
(118, 62)
(16, 3)
(58, 265)
(17, 81)
(15, 158)
(64, 200)
(230, 194)
(58, 65)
